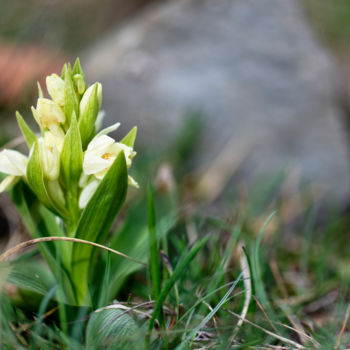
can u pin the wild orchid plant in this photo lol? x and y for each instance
(78, 175)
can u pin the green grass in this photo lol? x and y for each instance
(243, 280)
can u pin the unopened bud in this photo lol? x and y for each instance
(49, 157)
(48, 113)
(79, 83)
(55, 87)
(88, 95)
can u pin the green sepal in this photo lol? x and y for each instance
(71, 168)
(88, 118)
(27, 132)
(35, 176)
(71, 155)
(129, 139)
(71, 103)
(77, 69)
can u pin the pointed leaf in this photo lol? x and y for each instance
(97, 218)
(71, 103)
(71, 155)
(129, 139)
(88, 117)
(77, 69)
(27, 132)
(35, 176)
(153, 245)
(180, 267)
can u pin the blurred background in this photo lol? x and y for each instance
(235, 90)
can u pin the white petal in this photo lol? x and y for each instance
(99, 144)
(99, 120)
(84, 179)
(109, 129)
(132, 182)
(8, 182)
(55, 87)
(13, 162)
(93, 164)
(49, 112)
(87, 193)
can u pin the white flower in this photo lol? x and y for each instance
(55, 87)
(101, 153)
(49, 115)
(98, 158)
(87, 193)
(14, 164)
(49, 156)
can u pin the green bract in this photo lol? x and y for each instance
(80, 175)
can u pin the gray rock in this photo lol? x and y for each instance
(266, 88)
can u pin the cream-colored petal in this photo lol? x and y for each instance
(132, 182)
(13, 162)
(99, 144)
(49, 112)
(87, 193)
(109, 129)
(55, 88)
(8, 182)
(99, 120)
(93, 164)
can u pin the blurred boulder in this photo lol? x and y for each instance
(266, 88)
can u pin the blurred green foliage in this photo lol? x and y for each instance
(332, 20)
(68, 25)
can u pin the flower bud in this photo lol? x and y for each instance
(48, 113)
(88, 95)
(49, 157)
(55, 87)
(79, 83)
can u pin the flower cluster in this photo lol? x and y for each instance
(69, 159)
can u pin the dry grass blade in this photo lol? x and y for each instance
(279, 337)
(301, 333)
(247, 291)
(337, 344)
(4, 256)
(304, 338)
(265, 314)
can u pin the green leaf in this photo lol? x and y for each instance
(88, 118)
(71, 103)
(26, 130)
(35, 177)
(211, 314)
(111, 329)
(153, 246)
(180, 268)
(97, 219)
(256, 270)
(129, 139)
